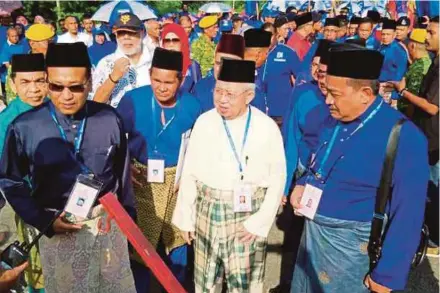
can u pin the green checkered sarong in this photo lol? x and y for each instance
(218, 252)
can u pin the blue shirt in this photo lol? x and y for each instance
(97, 51)
(281, 64)
(35, 149)
(143, 123)
(6, 55)
(305, 74)
(395, 62)
(193, 75)
(302, 127)
(352, 174)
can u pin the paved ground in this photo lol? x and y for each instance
(424, 279)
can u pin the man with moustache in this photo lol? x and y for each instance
(65, 143)
(155, 118)
(127, 68)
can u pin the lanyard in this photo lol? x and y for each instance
(335, 134)
(231, 142)
(78, 138)
(164, 127)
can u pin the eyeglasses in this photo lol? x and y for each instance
(76, 89)
(171, 40)
(230, 96)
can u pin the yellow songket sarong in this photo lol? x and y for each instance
(155, 203)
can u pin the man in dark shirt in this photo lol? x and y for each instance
(51, 155)
(427, 108)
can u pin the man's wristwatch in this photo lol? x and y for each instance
(401, 92)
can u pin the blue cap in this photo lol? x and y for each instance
(226, 25)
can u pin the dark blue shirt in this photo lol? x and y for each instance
(35, 149)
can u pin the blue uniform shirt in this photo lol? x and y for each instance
(302, 127)
(352, 174)
(395, 62)
(193, 75)
(6, 55)
(142, 123)
(281, 64)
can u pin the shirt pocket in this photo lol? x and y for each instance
(100, 160)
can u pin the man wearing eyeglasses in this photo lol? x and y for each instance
(28, 80)
(66, 144)
(127, 68)
(235, 151)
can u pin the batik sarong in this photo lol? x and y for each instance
(332, 257)
(90, 260)
(155, 204)
(218, 251)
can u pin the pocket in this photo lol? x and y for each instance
(100, 160)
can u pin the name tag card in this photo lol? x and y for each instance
(156, 171)
(83, 196)
(310, 201)
(242, 198)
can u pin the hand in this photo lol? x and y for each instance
(8, 278)
(135, 171)
(121, 67)
(295, 198)
(60, 226)
(284, 200)
(398, 85)
(244, 235)
(375, 287)
(188, 236)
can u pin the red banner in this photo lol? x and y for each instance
(141, 244)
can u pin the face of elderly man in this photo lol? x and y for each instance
(231, 99)
(130, 42)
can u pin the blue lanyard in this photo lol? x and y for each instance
(78, 138)
(164, 127)
(335, 134)
(231, 142)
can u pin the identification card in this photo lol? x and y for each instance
(156, 171)
(242, 198)
(310, 201)
(83, 196)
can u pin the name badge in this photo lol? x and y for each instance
(310, 201)
(83, 196)
(242, 198)
(156, 171)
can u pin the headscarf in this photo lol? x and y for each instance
(180, 33)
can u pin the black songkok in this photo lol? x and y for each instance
(28, 63)
(374, 15)
(241, 71)
(303, 19)
(388, 24)
(280, 21)
(330, 21)
(257, 38)
(68, 55)
(231, 44)
(323, 50)
(356, 62)
(355, 20)
(167, 59)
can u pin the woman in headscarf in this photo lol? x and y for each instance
(101, 47)
(174, 38)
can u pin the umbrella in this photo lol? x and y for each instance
(215, 8)
(7, 6)
(109, 12)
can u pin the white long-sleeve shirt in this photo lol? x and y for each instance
(210, 159)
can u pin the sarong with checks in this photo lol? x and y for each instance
(155, 204)
(218, 251)
(89, 260)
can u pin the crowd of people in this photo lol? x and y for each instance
(204, 128)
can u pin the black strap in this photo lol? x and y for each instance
(383, 195)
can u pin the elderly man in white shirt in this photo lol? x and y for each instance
(231, 185)
(127, 68)
(72, 35)
(152, 37)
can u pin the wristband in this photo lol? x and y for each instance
(401, 92)
(111, 79)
